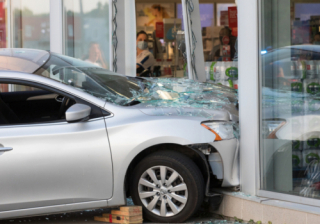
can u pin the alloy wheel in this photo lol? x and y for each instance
(162, 191)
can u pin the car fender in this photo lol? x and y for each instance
(130, 132)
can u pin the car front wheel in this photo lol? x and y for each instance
(168, 185)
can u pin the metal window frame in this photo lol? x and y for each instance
(196, 28)
(111, 28)
(126, 32)
(289, 198)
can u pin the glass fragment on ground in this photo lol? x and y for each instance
(221, 222)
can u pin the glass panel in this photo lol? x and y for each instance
(164, 42)
(31, 24)
(220, 44)
(86, 33)
(290, 106)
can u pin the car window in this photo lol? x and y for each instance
(24, 104)
(16, 88)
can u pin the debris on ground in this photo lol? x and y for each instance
(126, 214)
(221, 222)
(130, 202)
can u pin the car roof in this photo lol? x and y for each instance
(22, 60)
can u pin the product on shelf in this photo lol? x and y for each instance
(221, 72)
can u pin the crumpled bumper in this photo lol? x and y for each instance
(225, 162)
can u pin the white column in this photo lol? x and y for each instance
(248, 40)
(126, 33)
(130, 38)
(9, 24)
(196, 28)
(56, 26)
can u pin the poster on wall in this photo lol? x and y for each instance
(224, 18)
(233, 17)
(233, 20)
(1, 10)
(148, 15)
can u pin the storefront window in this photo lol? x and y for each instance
(290, 102)
(31, 24)
(164, 25)
(86, 33)
(163, 55)
(220, 46)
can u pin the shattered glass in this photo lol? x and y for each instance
(177, 93)
(311, 184)
(168, 97)
(184, 97)
(221, 222)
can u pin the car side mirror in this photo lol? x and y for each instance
(78, 113)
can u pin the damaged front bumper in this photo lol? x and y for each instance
(222, 158)
(224, 162)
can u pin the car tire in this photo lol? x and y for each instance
(173, 201)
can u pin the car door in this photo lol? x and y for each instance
(53, 162)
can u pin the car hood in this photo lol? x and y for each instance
(206, 114)
(184, 97)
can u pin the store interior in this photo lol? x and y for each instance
(163, 22)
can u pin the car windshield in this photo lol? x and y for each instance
(90, 78)
(128, 91)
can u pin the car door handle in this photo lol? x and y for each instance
(5, 149)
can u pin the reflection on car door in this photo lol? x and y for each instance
(54, 163)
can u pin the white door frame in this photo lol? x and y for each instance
(56, 26)
(248, 42)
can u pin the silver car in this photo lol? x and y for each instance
(74, 136)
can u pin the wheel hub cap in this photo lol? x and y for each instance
(162, 191)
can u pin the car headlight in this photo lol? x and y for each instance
(270, 128)
(222, 130)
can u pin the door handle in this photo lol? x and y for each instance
(5, 149)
